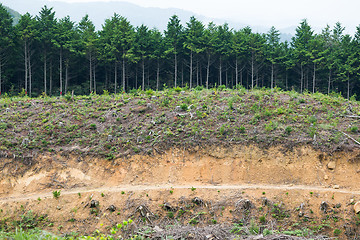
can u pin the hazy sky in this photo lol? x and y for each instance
(280, 13)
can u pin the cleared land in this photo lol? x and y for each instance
(208, 164)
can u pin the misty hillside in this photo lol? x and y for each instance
(99, 11)
(14, 14)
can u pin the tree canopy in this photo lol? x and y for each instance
(45, 55)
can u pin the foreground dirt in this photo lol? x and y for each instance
(271, 188)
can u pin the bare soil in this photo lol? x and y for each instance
(213, 186)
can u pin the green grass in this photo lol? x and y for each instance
(138, 121)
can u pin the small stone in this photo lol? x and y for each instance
(301, 214)
(112, 208)
(351, 201)
(210, 237)
(331, 165)
(198, 201)
(357, 207)
(94, 203)
(324, 206)
(336, 186)
(326, 177)
(58, 207)
(158, 229)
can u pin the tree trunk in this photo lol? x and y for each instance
(252, 70)
(51, 78)
(226, 78)
(60, 72)
(197, 73)
(236, 72)
(115, 76)
(45, 67)
(123, 75)
(329, 81)
(26, 66)
(272, 76)
(314, 78)
(175, 68)
(182, 74)
(301, 78)
(348, 87)
(241, 76)
(30, 73)
(220, 71)
(191, 68)
(94, 78)
(208, 72)
(143, 74)
(90, 72)
(157, 75)
(66, 76)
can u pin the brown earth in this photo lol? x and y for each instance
(202, 186)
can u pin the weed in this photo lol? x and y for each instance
(56, 194)
(337, 232)
(288, 129)
(354, 129)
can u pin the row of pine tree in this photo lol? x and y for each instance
(45, 55)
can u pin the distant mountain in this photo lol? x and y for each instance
(14, 14)
(99, 11)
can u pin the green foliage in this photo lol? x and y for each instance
(56, 194)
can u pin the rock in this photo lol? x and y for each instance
(210, 237)
(94, 204)
(357, 207)
(112, 208)
(301, 214)
(198, 201)
(338, 205)
(168, 207)
(258, 237)
(336, 186)
(326, 177)
(352, 200)
(158, 229)
(331, 165)
(264, 201)
(244, 204)
(324, 206)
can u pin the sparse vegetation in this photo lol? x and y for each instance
(96, 123)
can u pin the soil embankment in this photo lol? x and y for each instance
(274, 188)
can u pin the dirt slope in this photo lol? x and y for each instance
(286, 190)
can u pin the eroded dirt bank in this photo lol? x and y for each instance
(278, 189)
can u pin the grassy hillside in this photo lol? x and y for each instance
(113, 126)
(14, 14)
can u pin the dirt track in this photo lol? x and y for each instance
(298, 180)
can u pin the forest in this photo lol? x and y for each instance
(43, 55)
